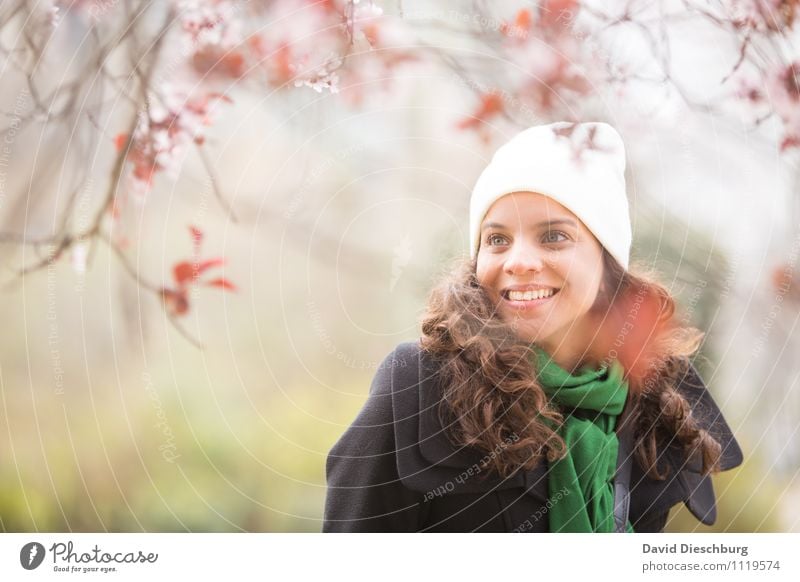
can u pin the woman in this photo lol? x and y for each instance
(552, 388)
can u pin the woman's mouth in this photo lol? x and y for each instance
(527, 299)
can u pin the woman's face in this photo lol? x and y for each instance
(542, 268)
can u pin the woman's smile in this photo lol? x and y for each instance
(526, 297)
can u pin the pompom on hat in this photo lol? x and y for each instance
(579, 165)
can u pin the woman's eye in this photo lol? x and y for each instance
(494, 237)
(549, 236)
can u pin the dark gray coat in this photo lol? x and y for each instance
(394, 469)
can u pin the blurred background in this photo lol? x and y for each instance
(217, 218)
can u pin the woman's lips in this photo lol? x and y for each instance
(526, 304)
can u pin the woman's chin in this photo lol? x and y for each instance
(526, 332)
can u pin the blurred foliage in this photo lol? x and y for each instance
(227, 474)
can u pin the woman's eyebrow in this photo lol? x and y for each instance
(568, 221)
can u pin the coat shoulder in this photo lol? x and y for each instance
(364, 491)
(427, 458)
(685, 481)
(709, 417)
(395, 468)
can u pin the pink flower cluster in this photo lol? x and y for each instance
(171, 122)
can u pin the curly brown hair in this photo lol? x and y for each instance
(492, 400)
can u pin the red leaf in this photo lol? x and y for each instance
(234, 64)
(175, 302)
(257, 45)
(790, 141)
(120, 141)
(281, 65)
(523, 20)
(183, 272)
(212, 60)
(521, 26)
(372, 32)
(223, 283)
(220, 97)
(491, 105)
(559, 13)
(203, 266)
(188, 272)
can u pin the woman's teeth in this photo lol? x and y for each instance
(530, 295)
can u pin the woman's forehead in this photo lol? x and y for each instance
(526, 207)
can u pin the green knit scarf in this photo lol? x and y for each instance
(581, 484)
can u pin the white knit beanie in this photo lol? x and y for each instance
(579, 165)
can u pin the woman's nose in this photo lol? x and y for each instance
(523, 259)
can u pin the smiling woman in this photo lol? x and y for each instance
(552, 388)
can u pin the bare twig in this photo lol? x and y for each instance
(212, 176)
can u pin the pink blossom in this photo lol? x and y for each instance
(783, 91)
(171, 123)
